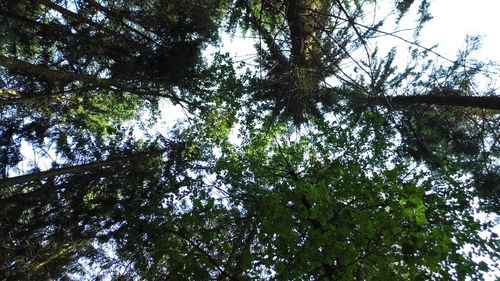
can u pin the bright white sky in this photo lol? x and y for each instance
(453, 19)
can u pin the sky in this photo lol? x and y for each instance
(453, 19)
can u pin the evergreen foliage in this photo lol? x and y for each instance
(345, 167)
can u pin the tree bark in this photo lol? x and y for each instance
(484, 102)
(49, 74)
(300, 18)
(56, 75)
(73, 169)
(6, 93)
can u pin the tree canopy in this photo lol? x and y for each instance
(322, 159)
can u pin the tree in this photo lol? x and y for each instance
(301, 79)
(78, 75)
(50, 219)
(339, 173)
(68, 87)
(307, 208)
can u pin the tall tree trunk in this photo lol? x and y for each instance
(300, 18)
(484, 102)
(49, 74)
(60, 252)
(56, 75)
(78, 168)
(304, 69)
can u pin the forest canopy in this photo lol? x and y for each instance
(321, 158)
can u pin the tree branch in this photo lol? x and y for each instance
(483, 102)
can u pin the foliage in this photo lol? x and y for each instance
(325, 162)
